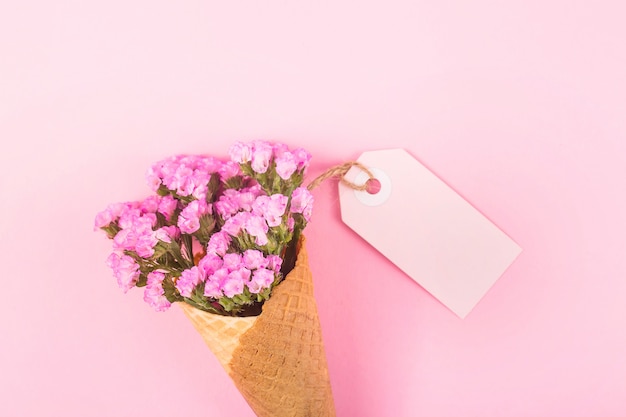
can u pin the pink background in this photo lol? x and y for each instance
(518, 105)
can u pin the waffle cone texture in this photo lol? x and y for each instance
(277, 359)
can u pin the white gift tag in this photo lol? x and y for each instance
(426, 229)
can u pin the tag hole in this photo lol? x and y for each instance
(372, 186)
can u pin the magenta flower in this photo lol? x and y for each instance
(233, 225)
(302, 158)
(286, 165)
(218, 243)
(167, 205)
(302, 202)
(279, 149)
(189, 280)
(125, 270)
(214, 283)
(150, 204)
(127, 216)
(240, 153)
(228, 203)
(153, 179)
(210, 263)
(228, 170)
(109, 215)
(235, 281)
(189, 218)
(261, 156)
(246, 198)
(271, 208)
(145, 244)
(154, 294)
(199, 184)
(136, 234)
(151, 237)
(208, 164)
(186, 175)
(261, 279)
(103, 219)
(274, 262)
(257, 226)
(254, 259)
(167, 233)
(232, 261)
(178, 179)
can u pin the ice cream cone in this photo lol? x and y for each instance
(220, 333)
(276, 359)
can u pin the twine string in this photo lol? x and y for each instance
(340, 171)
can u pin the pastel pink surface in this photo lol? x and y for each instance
(518, 106)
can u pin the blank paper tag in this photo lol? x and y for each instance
(426, 229)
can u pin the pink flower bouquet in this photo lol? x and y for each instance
(222, 238)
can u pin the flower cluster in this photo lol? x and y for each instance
(217, 234)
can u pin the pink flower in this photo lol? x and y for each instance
(153, 178)
(232, 261)
(279, 149)
(257, 226)
(302, 158)
(228, 203)
(136, 234)
(228, 170)
(286, 165)
(178, 180)
(210, 263)
(271, 208)
(246, 197)
(213, 285)
(167, 233)
(154, 293)
(189, 218)
(240, 153)
(208, 164)
(233, 225)
(103, 219)
(125, 239)
(234, 283)
(218, 243)
(261, 279)
(109, 215)
(184, 174)
(189, 280)
(167, 205)
(274, 263)
(125, 269)
(150, 204)
(302, 202)
(198, 183)
(254, 259)
(128, 216)
(145, 244)
(261, 156)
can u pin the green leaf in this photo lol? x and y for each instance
(163, 190)
(235, 182)
(160, 249)
(227, 303)
(171, 293)
(142, 281)
(213, 187)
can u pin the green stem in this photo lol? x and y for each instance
(187, 241)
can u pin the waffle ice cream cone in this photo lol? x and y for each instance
(276, 359)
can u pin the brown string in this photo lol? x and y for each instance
(340, 172)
